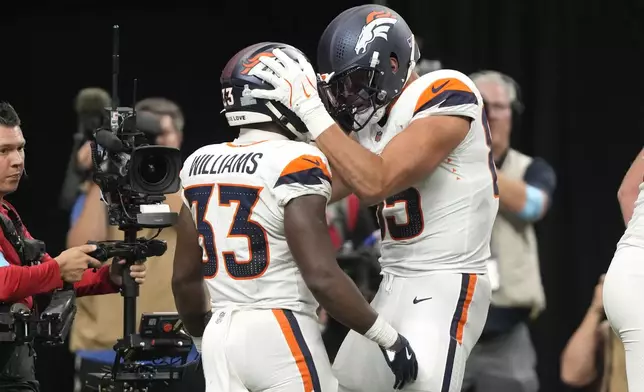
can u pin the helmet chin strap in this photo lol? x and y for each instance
(412, 61)
(369, 116)
(298, 135)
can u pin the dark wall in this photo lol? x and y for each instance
(577, 62)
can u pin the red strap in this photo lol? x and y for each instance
(353, 207)
(335, 237)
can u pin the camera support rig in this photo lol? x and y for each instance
(135, 203)
(134, 350)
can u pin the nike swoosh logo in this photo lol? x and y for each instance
(437, 89)
(407, 353)
(416, 300)
(316, 163)
(306, 94)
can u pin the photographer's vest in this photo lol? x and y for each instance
(99, 318)
(514, 247)
(12, 228)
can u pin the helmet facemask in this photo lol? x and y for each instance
(353, 99)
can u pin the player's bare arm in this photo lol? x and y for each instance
(340, 190)
(308, 239)
(411, 156)
(190, 295)
(628, 190)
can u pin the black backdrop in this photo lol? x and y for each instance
(576, 60)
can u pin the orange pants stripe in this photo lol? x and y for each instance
(458, 324)
(299, 349)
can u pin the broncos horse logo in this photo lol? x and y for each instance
(252, 62)
(377, 25)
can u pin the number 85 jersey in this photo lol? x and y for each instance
(443, 222)
(237, 193)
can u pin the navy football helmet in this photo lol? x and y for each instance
(237, 81)
(356, 78)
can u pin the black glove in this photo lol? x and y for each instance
(402, 361)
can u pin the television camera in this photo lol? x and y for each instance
(134, 176)
(19, 324)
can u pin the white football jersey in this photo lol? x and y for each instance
(444, 222)
(237, 193)
(634, 233)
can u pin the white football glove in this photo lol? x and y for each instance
(296, 88)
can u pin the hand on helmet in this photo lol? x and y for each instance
(295, 88)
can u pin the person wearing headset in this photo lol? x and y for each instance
(504, 358)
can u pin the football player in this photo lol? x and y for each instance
(624, 281)
(254, 227)
(422, 153)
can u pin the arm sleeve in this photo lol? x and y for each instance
(92, 283)
(448, 96)
(95, 283)
(542, 176)
(18, 282)
(307, 174)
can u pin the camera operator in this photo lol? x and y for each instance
(25, 272)
(98, 323)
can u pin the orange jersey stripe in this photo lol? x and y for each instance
(462, 320)
(304, 163)
(296, 351)
(438, 87)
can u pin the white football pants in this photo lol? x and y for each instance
(265, 350)
(442, 315)
(623, 296)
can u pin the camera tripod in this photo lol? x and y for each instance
(140, 360)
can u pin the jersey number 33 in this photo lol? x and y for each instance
(241, 199)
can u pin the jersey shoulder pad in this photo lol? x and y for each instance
(445, 92)
(300, 169)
